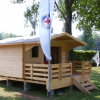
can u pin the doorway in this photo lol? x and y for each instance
(56, 55)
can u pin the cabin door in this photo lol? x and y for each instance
(55, 54)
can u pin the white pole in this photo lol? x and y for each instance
(49, 93)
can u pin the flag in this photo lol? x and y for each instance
(45, 23)
(96, 58)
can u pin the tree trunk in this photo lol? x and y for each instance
(68, 25)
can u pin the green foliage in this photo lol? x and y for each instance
(86, 12)
(31, 15)
(84, 55)
(96, 38)
(87, 37)
(1, 36)
(8, 35)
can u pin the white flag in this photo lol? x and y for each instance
(96, 58)
(45, 23)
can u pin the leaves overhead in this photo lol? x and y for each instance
(86, 12)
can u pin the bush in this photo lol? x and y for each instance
(84, 55)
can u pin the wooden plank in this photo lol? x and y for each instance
(26, 73)
(65, 74)
(40, 65)
(63, 70)
(54, 65)
(26, 64)
(55, 75)
(86, 63)
(23, 80)
(26, 77)
(37, 78)
(76, 62)
(27, 69)
(40, 74)
(86, 67)
(86, 71)
(53, 71)
(65, 65)
(79, 86)
(90, 82)
(56, 83)
(43, 70)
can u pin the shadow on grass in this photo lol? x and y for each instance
(37, 92)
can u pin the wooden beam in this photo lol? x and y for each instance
(23, 60)
(60, 39)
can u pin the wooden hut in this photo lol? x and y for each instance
(22, 59)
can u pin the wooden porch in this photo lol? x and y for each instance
(61, 75)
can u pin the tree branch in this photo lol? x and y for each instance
(60, 11)
(71, 2)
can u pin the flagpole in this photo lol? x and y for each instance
(49, 93)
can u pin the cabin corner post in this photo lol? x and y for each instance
(23, 59)
(83, 68)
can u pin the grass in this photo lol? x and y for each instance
(38, 92)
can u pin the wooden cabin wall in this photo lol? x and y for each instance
(11, 61)
(40, 58)
(28, 55)
(61, 44)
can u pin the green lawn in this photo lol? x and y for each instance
(15, 93)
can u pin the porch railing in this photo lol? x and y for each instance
(38, 73)
(60, 71)
(79, 67)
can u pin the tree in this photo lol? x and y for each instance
(96, 38)
(31, 15)
(10, 35)
(87, 12)
(87, 37)
(1, 36)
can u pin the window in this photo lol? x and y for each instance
(35, 51)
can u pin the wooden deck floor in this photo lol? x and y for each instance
(76, 75)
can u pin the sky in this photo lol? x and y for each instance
(12, 20)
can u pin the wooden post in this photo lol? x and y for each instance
(23, 59)
(51, 73)
(71, 68)
(31, 67)
(90, 65)
(83, 68)
(60, 72)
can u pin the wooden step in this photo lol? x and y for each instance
(89, 88)
(86, 84)
(82, 80)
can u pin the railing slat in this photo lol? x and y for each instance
(44, 70)
(42, 79)
(40, 74)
